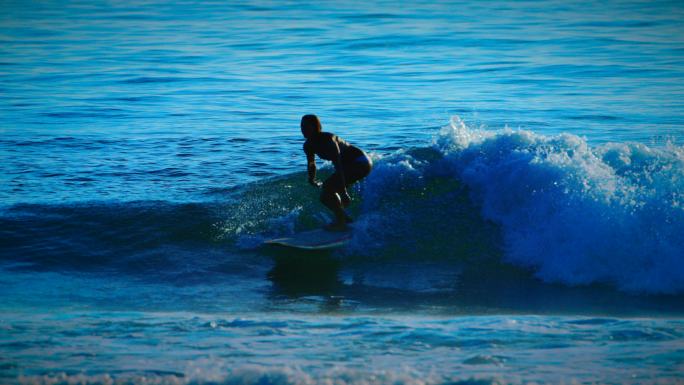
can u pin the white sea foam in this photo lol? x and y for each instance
(576, 213)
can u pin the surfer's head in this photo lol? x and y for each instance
(310, 125)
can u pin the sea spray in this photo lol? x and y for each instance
(575, 213)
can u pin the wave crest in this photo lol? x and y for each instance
(574, 213)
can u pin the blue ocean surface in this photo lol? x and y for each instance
(523, 223)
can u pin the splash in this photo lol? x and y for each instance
(575, 213)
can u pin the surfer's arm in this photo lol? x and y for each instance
(311, 168)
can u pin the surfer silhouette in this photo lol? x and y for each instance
(351, 165)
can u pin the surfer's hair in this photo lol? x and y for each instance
(310, 125)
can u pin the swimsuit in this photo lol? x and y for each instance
(355, 164)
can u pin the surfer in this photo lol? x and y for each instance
(351, 165)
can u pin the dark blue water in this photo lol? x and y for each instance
(524, 220)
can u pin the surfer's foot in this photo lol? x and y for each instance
(336, 226)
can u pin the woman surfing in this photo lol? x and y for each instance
(350, 162)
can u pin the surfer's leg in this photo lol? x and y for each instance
(333, 187)
(331, 199)
(354, 172)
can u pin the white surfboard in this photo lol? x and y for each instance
(314, 240)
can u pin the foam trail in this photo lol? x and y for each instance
(574, 213)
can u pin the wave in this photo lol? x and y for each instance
(283, 375)
(131, 236)
(479, 201)
(571, 212)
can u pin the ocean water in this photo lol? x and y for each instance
(524, 221)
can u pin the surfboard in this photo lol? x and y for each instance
(314, 240)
